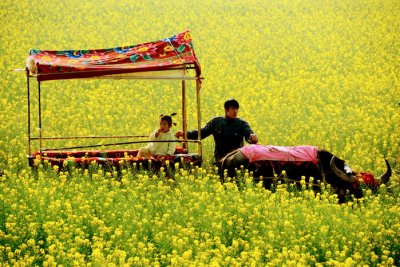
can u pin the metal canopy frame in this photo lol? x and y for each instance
(183, 80)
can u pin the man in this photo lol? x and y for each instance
(228, 131)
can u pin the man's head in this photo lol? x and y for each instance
(231, 108)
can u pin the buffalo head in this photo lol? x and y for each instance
(342, 181)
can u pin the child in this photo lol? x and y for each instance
(163, 133)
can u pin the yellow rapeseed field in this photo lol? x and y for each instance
(322, 73)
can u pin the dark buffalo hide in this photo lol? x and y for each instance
(324, 168)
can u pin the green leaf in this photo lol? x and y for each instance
(181, 48)
(147, 57)
(134, 57)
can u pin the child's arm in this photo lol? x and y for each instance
(155, 134)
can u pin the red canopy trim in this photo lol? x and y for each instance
(171, 53)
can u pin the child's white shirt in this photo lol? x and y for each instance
(162, 148)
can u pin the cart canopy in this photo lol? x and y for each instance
(169, 57)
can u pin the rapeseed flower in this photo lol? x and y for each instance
(304, 76)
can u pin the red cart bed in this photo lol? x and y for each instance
(83, 158)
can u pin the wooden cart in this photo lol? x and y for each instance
(167, 59)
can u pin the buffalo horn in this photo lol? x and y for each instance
(340, 173)
(386, 176)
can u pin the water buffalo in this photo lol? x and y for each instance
(308, 161)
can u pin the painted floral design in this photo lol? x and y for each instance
(52, 64)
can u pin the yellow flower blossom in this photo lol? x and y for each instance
(297, 81)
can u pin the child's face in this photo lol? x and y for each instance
(164, 126)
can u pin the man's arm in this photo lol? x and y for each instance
(207, 130)
(249, 135)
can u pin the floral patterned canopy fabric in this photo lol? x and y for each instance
(169, 54)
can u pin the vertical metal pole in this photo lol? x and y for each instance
(29, 111)
(198, 87)
(40, 118)
(184, 118)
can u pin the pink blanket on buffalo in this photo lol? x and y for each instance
(280, 153)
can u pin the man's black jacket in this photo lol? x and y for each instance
(228, 134)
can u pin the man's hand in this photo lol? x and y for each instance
(179, 134)
(253, 139)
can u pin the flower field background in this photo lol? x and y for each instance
(322, 73)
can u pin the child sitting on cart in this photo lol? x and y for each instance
(163, 133)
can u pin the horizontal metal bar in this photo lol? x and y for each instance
(127, 75)
(115, 77)
(116, 144)
(89, 137)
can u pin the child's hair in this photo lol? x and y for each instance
(168, 119)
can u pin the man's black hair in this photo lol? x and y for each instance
(231, 103)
